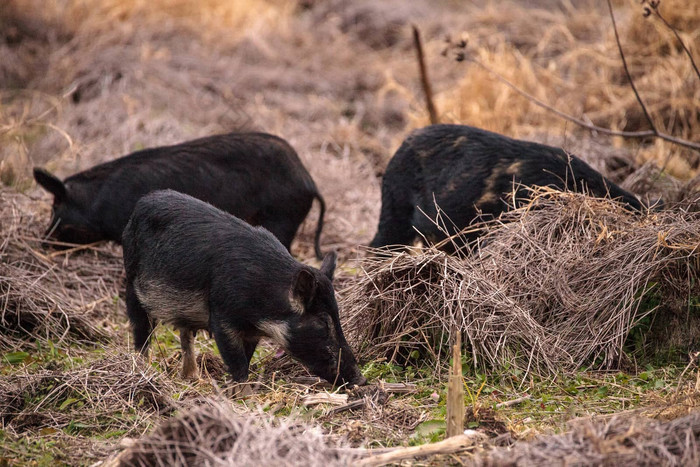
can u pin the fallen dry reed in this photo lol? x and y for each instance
(551, 287)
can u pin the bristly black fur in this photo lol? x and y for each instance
(468, 173)
(196, 267)
(255, 176)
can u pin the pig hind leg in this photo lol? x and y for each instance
(189, 364)
(283, 231)
(141, 323)
(284, 224)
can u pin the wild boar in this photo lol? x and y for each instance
(255, 176)
(468, 173)
(196, 267)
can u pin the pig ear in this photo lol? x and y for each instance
(328, 265)
(304, 287)
(50, 182)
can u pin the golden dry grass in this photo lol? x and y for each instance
(209, 18)
(567, 57)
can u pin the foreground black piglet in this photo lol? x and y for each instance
(255, 176)
(196, 267)
(469, 173)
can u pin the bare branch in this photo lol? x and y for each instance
(627, 71)
(460, 56)
(655, 8)
(513, 402)
(424, 76)
(578, 121)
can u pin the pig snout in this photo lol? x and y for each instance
(359, 380)
(350, 373)
(322, 360)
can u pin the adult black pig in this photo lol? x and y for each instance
(255, 176)
(197, 267)
(468, 172)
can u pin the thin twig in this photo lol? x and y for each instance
(655, 7)
(581, 123)
(351, 406)
(324, 398)
(513, 402)
(693, 360)
(398, 388)
(627, 72)
(425, 81)
(447, 446)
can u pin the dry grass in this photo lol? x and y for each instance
(103, 81)
(567, 57)
(91, 397)
(621, 441)
(114, 396)
(85, 82)
(213, 434)
(651, 184)
(43, 296)
(554, 285)
(123, 61)
(207, 18)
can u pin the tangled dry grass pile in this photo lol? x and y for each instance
(554, 285)
(118, 394)
(621, 441)
(213, 434)
(115, 384)
(43, 296)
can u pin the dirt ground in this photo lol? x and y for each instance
(83, 83)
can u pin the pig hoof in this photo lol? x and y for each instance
(190, 374)
(241, 390)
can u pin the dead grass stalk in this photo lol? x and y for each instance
(117, 392)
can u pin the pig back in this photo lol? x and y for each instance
(188, 244)
(241, 173)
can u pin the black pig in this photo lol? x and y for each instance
(196, 267)
(468, 172)
(255, 176)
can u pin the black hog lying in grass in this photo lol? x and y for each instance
(469, 173)
(196, 267)
(255, 176)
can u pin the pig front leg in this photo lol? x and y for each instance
(396, 215)
(235, 350)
